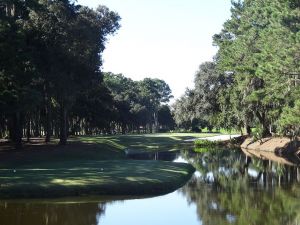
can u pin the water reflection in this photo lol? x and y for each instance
(18, 213)
(229, 187)
(162, 155)
(238, 189)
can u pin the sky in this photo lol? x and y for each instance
(164, 39)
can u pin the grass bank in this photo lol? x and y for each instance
(93, 166)
(92, 177)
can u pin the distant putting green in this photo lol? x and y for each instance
(92, 177)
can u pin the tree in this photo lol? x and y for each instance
(154, 92)
(17, 75)
(125, 98)
(50, 54)
(290, 119)
(137, 102)
(200, 107)
(184, 110)
(165, 118)
(71, 70)
(261, 70)
(92, 112)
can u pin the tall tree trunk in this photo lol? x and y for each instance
(63, 125)
(10, 10)
(155, 117)
(16, 131)
(48, 130)
(2, 128)
(150, 127)
(123, 128)
(36, 124)
(28, 128)
(248, 130)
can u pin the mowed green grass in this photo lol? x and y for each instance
(92, 177)
(48, 154)
(145, 142)
(93, 165)
(96, 148)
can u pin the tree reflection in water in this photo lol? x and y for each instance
(50, 213)
(233, 188)
(229, 187)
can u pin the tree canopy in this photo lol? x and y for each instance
(138, 103)
(256, 74)
(50, 56)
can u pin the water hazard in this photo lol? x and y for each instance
(229, 187)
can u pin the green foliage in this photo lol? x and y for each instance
(258, 133)
(254, 79)
(209, 149)
(165, 118)
(138, 103)
(197, 107)
(290, 119)
(206, 143)
(50, 60)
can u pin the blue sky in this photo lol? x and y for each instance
(165, 39)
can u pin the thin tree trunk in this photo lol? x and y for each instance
(17, 130)
(36, 124)
(48, 129)
(155, 116)
(63, 125)
(48, 114)
(123, 128)
(28, 129)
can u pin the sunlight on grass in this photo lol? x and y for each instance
(142, 142)
(141, 179)
(175, 138)
(92, 176)
(174, 171)
(75, 182)
(96, 165)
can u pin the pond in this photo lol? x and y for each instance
(228, 187)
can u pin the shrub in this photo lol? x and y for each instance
(205, 143)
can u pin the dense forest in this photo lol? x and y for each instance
(51, 83)
(254, 79)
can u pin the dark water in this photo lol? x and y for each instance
(229, 187)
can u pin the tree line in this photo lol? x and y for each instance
(51, 83)
(139, 106)
(254, 79)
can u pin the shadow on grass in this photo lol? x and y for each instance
(92, 166)
(145, 142)
(75, 178)
(57, 153)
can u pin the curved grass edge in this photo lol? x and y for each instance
(88, 178)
